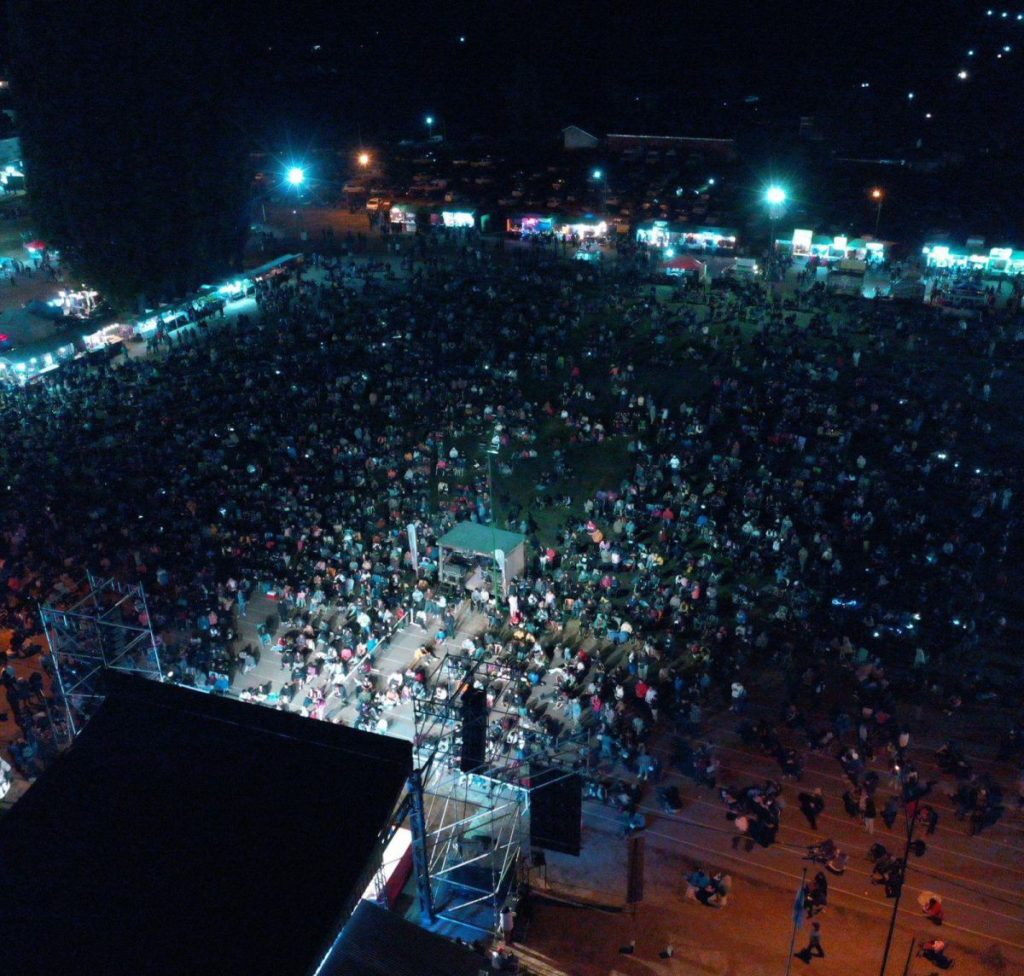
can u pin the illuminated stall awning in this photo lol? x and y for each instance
(458, 218)
(527, 224)
(276, 265)
(942, 256)
(585, 226)
(402, 216)
(684, 265)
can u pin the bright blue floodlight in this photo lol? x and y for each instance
(430, 120)
(296, 175)
(598, 174)
(775, 195)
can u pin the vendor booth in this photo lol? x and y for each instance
(827, 250)
(109, 339)
(996, 262)
(454, 219)
(402, 219)
(527, 225)
(587, 226)
(27, 363)
(659, 233)
(685, 266)
(686, 237)
(471, 554)
(69, 303)
(212, 298)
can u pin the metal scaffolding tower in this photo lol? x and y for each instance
(475, 825)
(106, 629)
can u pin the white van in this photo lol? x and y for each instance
(744, 268)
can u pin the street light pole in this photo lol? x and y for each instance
(495, 577)
(878, 196)
(909, 824)
(775, 197)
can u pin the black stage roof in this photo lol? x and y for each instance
(187, 833)
(377, 942)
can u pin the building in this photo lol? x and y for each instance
(724, 149)
(573, 137)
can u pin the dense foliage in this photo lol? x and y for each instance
(129, 122)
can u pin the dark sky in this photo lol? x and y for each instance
(652, 65)
(607, 63)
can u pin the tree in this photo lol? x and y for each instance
(135, 159)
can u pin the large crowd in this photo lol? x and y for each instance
(829, 489)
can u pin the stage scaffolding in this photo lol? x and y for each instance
(106, 629)
(476, 825)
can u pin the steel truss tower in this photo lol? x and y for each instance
(475, 825)
(106, 629)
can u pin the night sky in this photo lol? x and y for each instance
(494, 67)
(654, 66)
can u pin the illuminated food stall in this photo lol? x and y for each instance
(454, 219)
(685, 266)
(526, 225)
(997, 261)
(685, 237)
(402, 219)
(108, 338)
(709, 239)
(805, 244)
(658, 233)
(212, 298)
(27, 363)
(587, 226)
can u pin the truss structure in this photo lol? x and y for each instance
(476, 825)
(106, 629)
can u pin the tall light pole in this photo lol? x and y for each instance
(492, 452)
(878, 195)
(909, 824)
(430, 126)
(775, 197)
(296, 176)
(600, 181)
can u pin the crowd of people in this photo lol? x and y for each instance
(827, 489)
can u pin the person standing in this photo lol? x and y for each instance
(869, 812)
(890, 811)
(811, 806)
(508, 924)
(813, 947)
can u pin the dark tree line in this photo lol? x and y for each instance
(132, 119)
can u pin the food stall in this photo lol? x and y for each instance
(996, 262)
(402, 219)
(107, 339)
(26, 363)
(581, 228)
(659, 233)
(528, 225)
(454, 219)
(685, 237)
(212, 298)
(828, 250)
(685, 266)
